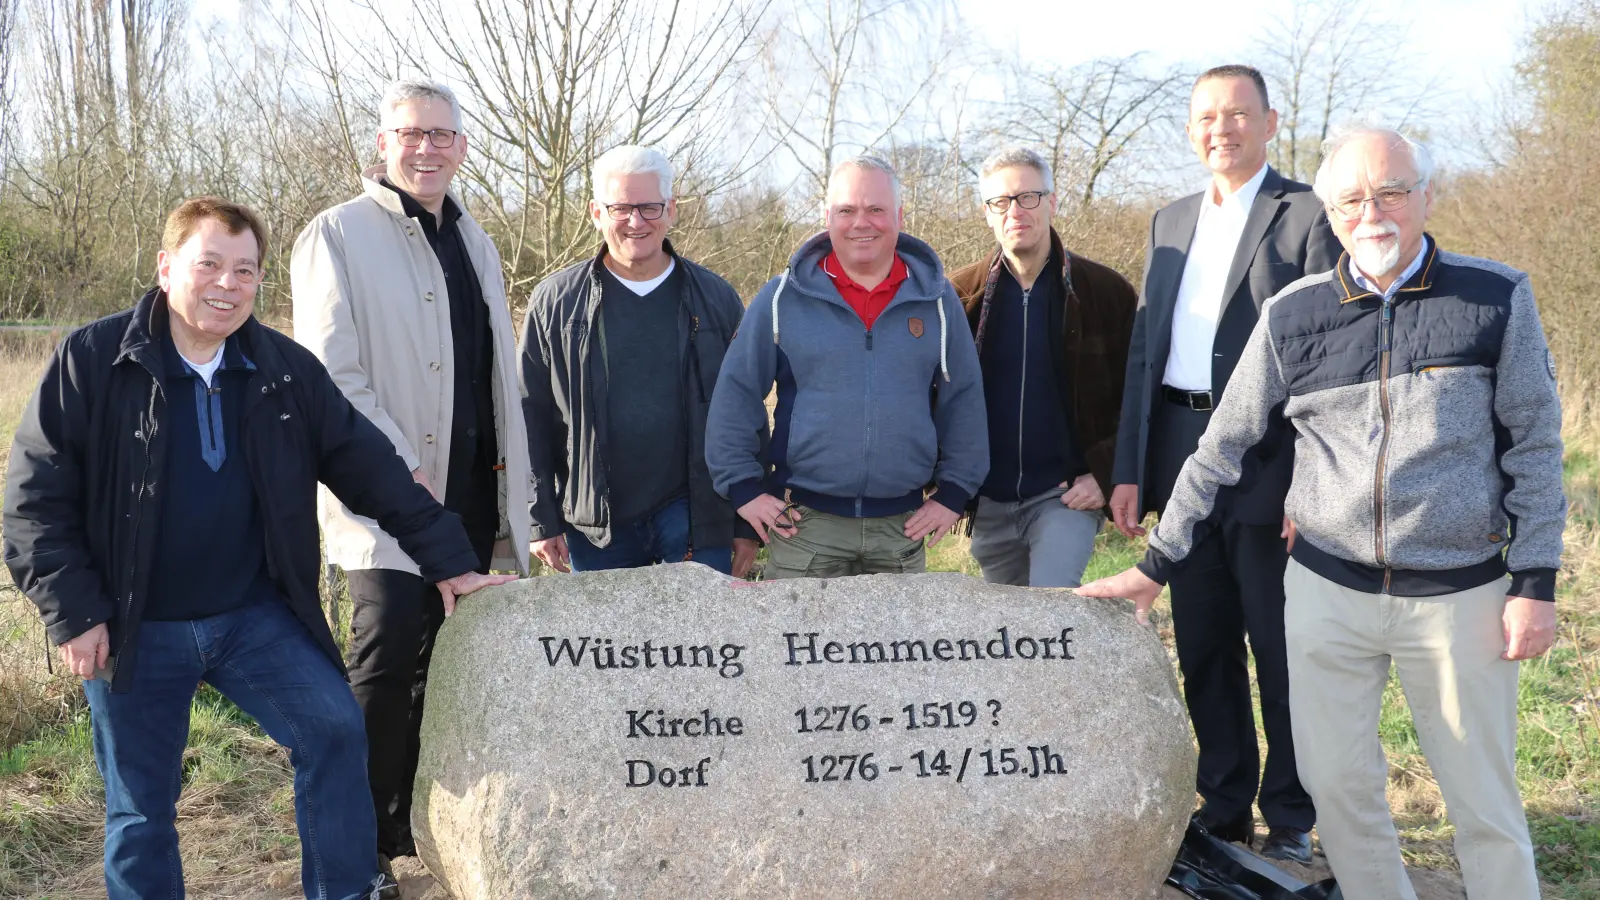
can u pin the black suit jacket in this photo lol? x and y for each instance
(1285, 237)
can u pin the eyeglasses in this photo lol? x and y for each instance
(439, 137)
(622, 212)
(1026, 200)
(1388, 200)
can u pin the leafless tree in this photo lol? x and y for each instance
(9, 12)
(553, 83)
(1326, 60)
(1090, 119)
(845, 75)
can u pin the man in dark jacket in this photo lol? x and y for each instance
(619, 356)
(1052, 333)
(1213, 260)
(161, 512)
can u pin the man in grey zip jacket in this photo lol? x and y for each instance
(879, 395)
(1427, 466)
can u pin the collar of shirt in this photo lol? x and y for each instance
(230, 356)
(1235, 203)
(868, 304)
(415, 210)
(1367, 284)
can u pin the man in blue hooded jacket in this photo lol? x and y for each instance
(876, 401)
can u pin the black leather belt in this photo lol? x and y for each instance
(1200, 400)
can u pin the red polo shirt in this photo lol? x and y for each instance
(868, 304)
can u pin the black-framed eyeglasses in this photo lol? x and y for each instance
(439, 137)
(1026, 200)
(622, 212)
(1388, 199)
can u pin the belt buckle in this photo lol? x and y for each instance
(1197, 398)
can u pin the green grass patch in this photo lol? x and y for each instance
(1568, 852)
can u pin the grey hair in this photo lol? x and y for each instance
(632, 159)
(1421, 158)
(866, 164)
(418, 90)
(1016, 157)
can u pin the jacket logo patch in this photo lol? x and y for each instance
(915, 324)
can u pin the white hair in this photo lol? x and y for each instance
(418, 90)
(1421, 158)
(1016, 157)
(866, 164)
(632, 159)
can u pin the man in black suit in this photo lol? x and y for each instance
(1214, 258)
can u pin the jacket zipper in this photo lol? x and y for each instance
(588, 380)
(147, 433)
(692, 366)
(1385, 346)
(1022, 398)
(211, 425)
(866, 438)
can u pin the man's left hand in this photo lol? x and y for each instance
(1530, 627)
(1084, 493)
(1131, 584)
(744, 556)
(461, 585)
(934, 518)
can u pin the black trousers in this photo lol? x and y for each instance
(394, 619)
(1230, 587)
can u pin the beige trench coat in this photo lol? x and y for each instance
(370, 302)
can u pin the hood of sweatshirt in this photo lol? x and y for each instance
(925, 273)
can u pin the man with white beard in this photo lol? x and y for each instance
(1427, 470)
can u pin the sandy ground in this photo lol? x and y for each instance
(417, 884)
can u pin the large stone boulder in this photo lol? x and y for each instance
(671, 733)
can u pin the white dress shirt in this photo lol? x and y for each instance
(1205, 277)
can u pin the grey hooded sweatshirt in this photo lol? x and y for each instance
(865, 418)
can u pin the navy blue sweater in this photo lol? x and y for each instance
(1032, 447)
(210, 553)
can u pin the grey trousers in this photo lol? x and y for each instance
(1036, 542)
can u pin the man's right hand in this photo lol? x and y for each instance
(87, 652)
(553, 553)
(421, 477)
(1125, 510)
(767, 511)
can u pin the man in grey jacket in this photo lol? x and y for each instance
(619, 355)
(879, 395)
(1427, 467)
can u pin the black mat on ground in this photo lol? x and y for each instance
(1209, 868)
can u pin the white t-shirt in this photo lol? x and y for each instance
(207, 369)
(644, 287)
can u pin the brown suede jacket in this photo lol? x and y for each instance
(1095, 325)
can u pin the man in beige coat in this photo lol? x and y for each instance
(399, 293)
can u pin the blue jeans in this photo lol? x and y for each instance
(264, 660)
(661, 538)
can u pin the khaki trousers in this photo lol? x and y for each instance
(829, 546)
(1463, 699)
